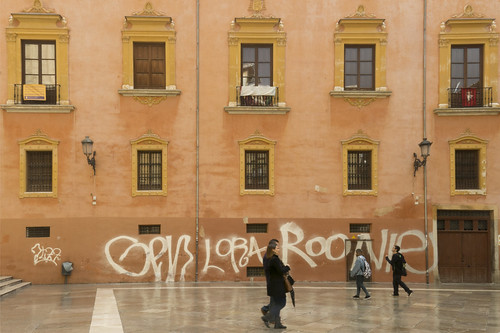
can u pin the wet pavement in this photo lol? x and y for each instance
(235, 307)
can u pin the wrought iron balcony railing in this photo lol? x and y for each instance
(470, 97)
(261, 96)
(50, 95)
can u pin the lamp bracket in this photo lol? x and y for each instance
(418, 163)
(91, 161)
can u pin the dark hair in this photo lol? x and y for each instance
(397, 248)
(274, 240)
(270, 249)
(359, 251)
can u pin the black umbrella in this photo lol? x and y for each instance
(291, 281)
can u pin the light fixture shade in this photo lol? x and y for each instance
(87, 144)
(425, 147)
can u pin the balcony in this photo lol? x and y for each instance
(470, 97)
(257, 95)
(48, 94)
(37, 98)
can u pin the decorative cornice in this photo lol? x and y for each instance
(360, 98)
(148, 11)
(360, 13)
(38, 8)
(257, 7)
(150, 100)
(149, 135)
(468, 13)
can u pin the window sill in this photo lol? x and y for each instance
(361, 93)
(469, 192)
(257, 109)
(149, 193)
(149, 92)
(360, 98)
(38, 195)
(360, 193)
(37, 108)
(257, 192)
(485, 111)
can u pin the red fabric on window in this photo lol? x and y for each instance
(469, 96)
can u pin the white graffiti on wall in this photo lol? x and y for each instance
(151, 259)
(240, 250)
(45, 254)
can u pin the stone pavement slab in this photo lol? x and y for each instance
(235, 307)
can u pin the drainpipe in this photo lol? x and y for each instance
(425, 135)
(197, 208)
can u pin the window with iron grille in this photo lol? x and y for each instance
(256, 169)
(257, 228)
(359, 227)
(359, 172)
(466, 169)
(37, 232)
(359, 67)
(149, 65)
(149, 170)
(38, 171)
(255, 271)
(149, 229)
(256, 64)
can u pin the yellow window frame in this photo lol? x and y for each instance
(358, 143)
(149, 141)
(38, 23)
(361, 29)
(37, 142)
(257, 30)
(468, 142)
(468, 28)
(148, 26)
(259, 143)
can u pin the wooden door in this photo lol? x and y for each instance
(464, 246)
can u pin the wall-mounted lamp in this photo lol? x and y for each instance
(87, 145)
(425, 150)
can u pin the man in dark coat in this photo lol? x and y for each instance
(397, 262)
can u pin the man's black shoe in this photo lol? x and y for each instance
(410, 292)
(266, 322)
(280, 326)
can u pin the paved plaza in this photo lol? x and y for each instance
(235, 307)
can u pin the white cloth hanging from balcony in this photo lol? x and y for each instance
(258, 91)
